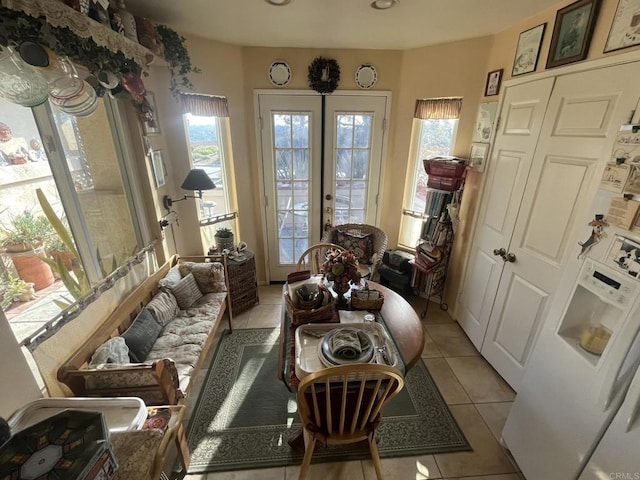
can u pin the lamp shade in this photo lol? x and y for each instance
(197, 179)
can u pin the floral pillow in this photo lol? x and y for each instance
(209, 276)
(360, 245)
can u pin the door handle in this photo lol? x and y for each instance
(506, 257)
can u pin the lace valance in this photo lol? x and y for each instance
(59, 15)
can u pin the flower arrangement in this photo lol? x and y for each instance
(341, 268)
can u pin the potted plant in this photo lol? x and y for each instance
(22, 241)
(13, 289)
(178, 59)
(224, 239)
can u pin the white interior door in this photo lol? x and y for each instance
(521, 119)
(301, 191)
(584, 114)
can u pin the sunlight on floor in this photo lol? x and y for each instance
(422, 471)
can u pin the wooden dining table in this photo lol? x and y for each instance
(399, 317)
(401, 322)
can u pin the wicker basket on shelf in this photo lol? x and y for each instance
(367, 300)
(324, 314)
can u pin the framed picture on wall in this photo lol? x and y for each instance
(528, 50)
(484, 122)
(625, 28)
(493, 83)
(572, 32)
(152, 128)
(159, 169)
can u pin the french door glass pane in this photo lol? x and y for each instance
(93, 163)
(353, 157)
(292, 158)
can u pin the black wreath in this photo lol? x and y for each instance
(324, 75)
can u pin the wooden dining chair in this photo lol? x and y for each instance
(313, 257)
(343, 404)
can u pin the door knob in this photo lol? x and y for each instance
(510, 257)
(499, 251)
(328, 196)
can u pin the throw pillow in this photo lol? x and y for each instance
(163, 307)
(114, 350)
(172, 277)
(209, 276)
(360, 245)
(186, 292)
(141, 336)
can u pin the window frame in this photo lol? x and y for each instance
(408, 215)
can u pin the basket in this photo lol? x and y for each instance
(445, 168)
(360, 303)
(444, 183)
(324, 314)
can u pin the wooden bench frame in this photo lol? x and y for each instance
(74, 372)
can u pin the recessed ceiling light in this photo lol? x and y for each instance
(383, 4)
(279, 3)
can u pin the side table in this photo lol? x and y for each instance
(243, 285)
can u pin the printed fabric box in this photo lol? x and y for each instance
(71, 445)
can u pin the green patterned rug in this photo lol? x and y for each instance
(245, 415)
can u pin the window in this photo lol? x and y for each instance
(86, 175)
(206, 121)
(434, 129)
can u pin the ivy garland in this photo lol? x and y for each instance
(324, 75)
(17, 27)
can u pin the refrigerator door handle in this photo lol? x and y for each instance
(633, 395)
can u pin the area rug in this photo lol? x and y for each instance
(245, 415)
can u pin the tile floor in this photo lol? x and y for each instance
(477, 396)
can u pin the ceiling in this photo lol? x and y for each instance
(338, 23)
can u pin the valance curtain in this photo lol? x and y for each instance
(204, 105)
(438, 108)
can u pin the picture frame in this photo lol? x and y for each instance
(478, 156)
(159, 168)
(493, 83)
(484, 122)
(625, 27)
(624, 255)
(572, 32)
(149, 129)
(633, 182)
(528, 50)
(615, 176)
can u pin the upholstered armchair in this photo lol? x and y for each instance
(367, 242)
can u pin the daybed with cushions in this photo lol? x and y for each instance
(157, 338)
(366, 242)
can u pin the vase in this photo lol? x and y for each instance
(341, 300)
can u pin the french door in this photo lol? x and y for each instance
(321, 162)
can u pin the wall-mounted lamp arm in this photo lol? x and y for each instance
(167, 201)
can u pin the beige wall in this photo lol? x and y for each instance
(454, 69)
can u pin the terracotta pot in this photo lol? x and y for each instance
(33, 270)
(67, 258)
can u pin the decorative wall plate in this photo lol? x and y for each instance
(279, 74)
(366, 76)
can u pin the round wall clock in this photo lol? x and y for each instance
(366, 76)
(279, 74)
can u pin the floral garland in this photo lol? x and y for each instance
(341, 267)
(324, 75)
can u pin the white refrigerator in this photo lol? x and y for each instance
(576, 413)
